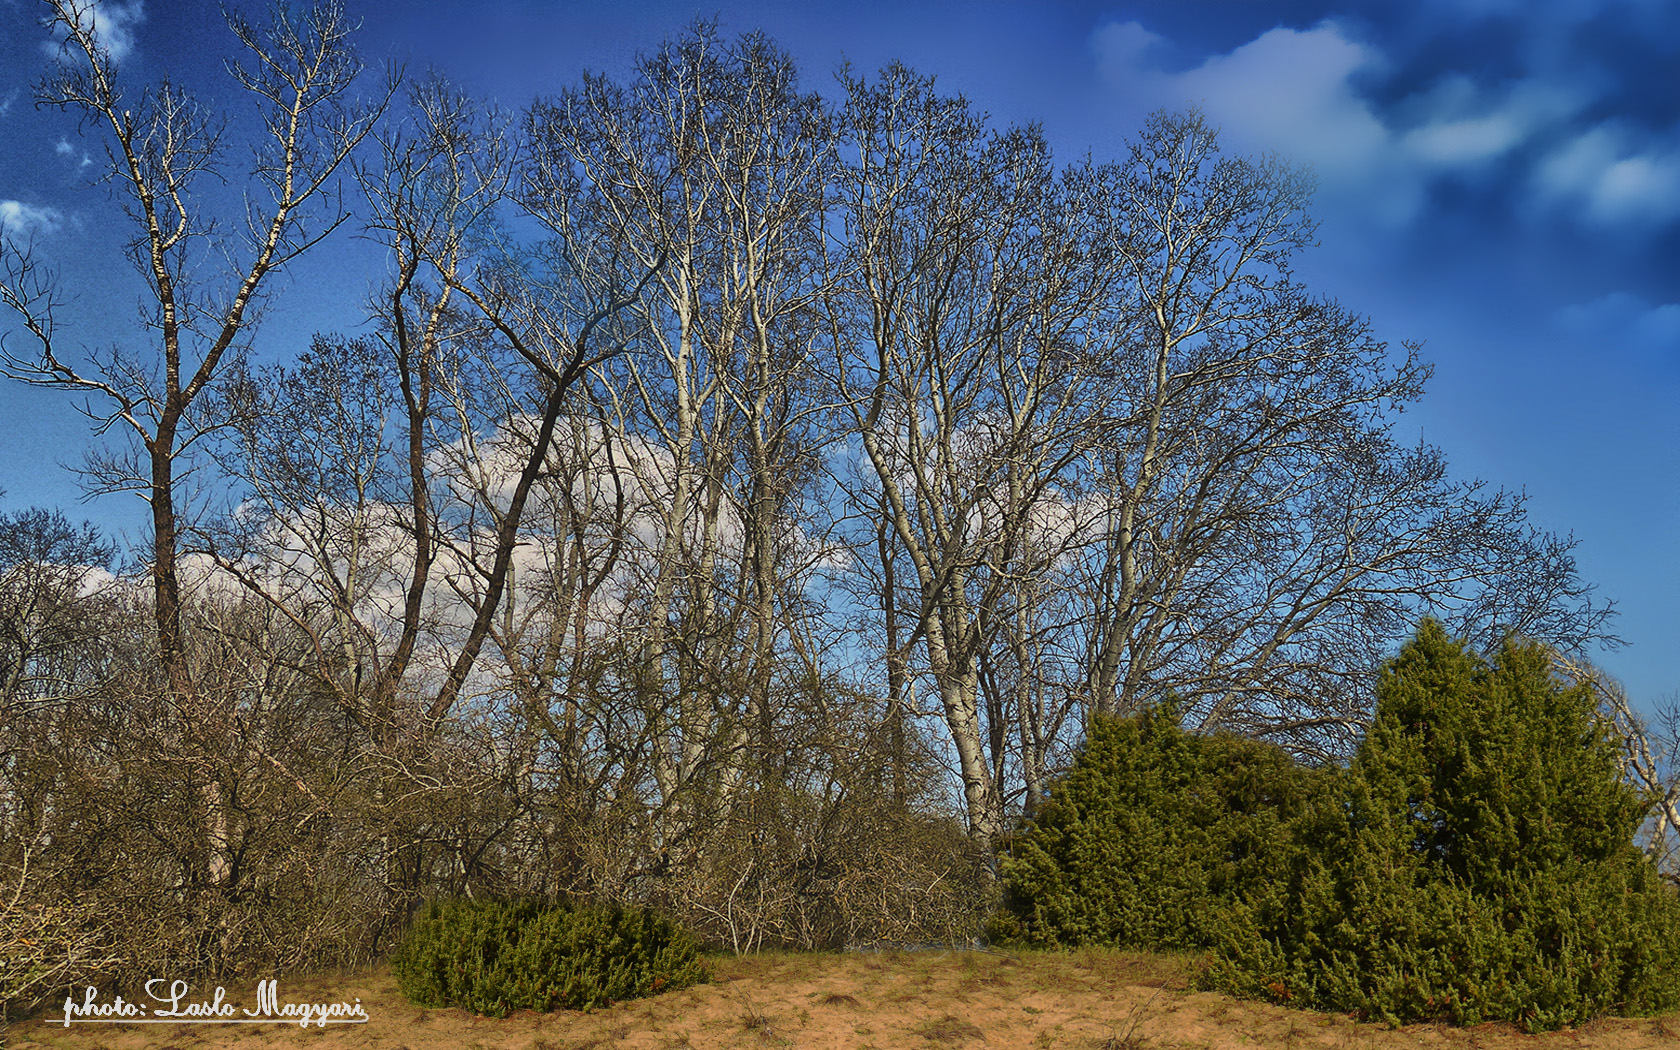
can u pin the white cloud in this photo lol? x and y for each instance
(111, 22)
(1638, 187)
(1613, 181)
(1292, 90)
(1288, 91)
(1473, 140)
(18, 219)
(1303, 94)
(65, 148)
(1121, 48)
(1620, 320)
(6, 103)
(1457, 125)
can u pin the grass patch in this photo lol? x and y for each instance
(950, 1029)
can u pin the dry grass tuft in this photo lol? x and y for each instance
(949, 1029)
(1126, 1035)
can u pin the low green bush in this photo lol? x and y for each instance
(493, 957)
(1150, 837)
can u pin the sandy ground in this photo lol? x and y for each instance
(926, 1001)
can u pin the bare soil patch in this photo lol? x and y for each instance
(1092, 1000)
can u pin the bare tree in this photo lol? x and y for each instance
(714, 164)
(53, 582)
(1650, 754)
(386, 481)
(767, 150)
(965, 333)
(59, 608)
(480, 344)
(163, 147)
(1264, 537)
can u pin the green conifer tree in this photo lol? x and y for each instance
(1150, 836)
(1478, 865)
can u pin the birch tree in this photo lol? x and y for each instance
(711, 165)
(964, 330)
(164, 148)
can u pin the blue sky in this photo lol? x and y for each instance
(1499, 180)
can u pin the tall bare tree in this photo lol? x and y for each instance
(1264, 537)
(965, 331)
(164, 147)
(712, 162)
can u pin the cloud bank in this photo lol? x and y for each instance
(1323, 97)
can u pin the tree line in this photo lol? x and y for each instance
(738, 501)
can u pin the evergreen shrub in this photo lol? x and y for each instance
(1478, 865)
(493, 957)
(1150, 836)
